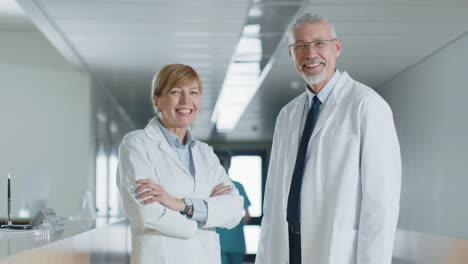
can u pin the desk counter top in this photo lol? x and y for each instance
(77, 243)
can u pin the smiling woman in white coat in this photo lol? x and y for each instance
(174, 190)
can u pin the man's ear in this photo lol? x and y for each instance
(291, 55)
(338, 48)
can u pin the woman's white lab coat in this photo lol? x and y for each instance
(351, 185)
(160, 235)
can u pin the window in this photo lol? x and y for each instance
(108, 203)
(249, 168)
(102, 181)
(114, 198)
(252, 235)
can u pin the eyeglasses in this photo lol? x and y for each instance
(303, 46)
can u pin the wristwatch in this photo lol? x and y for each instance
(188, 206)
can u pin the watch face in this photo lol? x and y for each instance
(188, 205)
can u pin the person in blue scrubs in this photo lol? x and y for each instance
(233, 240)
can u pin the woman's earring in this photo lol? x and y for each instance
(159, 115)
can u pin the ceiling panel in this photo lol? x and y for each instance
(124, 42)
(380, 40)
(116, 27)
(137, 10)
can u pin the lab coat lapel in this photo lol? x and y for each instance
(296, 119)
(197, 164)
(169, 151)
(154, 132)
(294, 132)
(331, 103)
(327, 111)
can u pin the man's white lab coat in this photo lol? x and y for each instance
(160, 235)
(351, 185)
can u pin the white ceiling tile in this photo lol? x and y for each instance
(124, 42)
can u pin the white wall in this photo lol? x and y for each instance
(430, 105)
(45, 111)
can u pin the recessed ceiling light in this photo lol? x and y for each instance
(10, 7)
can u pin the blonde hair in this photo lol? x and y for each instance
(170, 76)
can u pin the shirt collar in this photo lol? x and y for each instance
(173, 140)
(325, 92)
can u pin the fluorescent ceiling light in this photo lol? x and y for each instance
(239, 88)
(253, 29)
(255, 12)
(249, 45)
(241, 82)
(10, 7)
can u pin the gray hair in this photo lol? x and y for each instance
(312, 19)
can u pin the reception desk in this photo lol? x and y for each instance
(111, 243)
(77, 243)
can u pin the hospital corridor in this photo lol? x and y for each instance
(234, 131)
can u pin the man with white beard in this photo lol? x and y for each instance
(333, 186)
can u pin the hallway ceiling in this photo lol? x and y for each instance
(122, 43)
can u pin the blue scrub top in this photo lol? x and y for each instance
(233, 240)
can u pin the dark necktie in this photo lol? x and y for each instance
(293, 212)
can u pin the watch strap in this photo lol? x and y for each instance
(188, 206)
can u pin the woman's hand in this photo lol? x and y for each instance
(220, 189)
(151, 192)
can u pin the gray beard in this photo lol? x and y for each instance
(311, 80)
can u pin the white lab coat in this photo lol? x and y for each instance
(170, 237)
(351, 185)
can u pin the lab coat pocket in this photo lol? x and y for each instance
(338, 159)
(211, 245)
(345, 246)
(186, 250)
